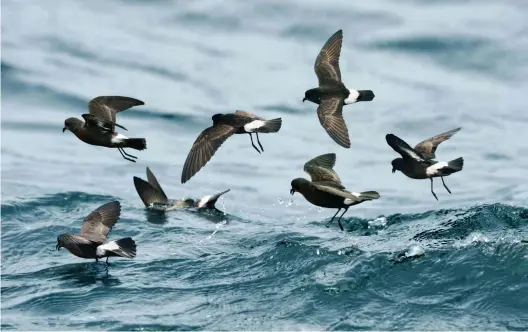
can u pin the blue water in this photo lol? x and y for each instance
(406, 260)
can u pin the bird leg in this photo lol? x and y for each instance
(432, 188)
(258, 141)
(128, 154)
(328, 223)
(107, 261)
(339, 220)
(121, 151)
(253, 143)
(449, 191)
(96, 260)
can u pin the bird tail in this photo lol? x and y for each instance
(135, 143)
(456, 165)
(148, 193)
(369, 195)
(271, 126)
(365, 95)
(211, 200)
(125, 247)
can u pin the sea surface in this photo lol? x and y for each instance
(267, 262)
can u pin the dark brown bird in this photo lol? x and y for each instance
(92, 241)
(98, 127)
(332, 94)
(325, 189)
(418, 163)
(154, 197)
(225, 125)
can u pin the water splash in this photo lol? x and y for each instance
(220, 224)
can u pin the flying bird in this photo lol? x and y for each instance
(92, 241)
(225, 125)
(154, 197)
(325, 189)
(419, 163)
(332, 94)
(98, 127)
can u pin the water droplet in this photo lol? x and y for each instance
(317, 252)
(280, 200)
(319, 209)
(289, 203)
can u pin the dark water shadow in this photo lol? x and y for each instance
(85, 274)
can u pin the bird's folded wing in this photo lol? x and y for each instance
(154, 182)
(100, 123)
(77, 240)
(102, 219)
(335, 191)
(320, 170)
(327, 62)
(204, 148)
(400, 146)
(330, 113)
(427, 148)
(106, 107)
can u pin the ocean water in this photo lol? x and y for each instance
(405, 261)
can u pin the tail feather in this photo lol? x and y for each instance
(126, 247)
(148, 193)
(365, 95)
(456, 164)
(369, 195)
(135, 143)
(210, 201)
(271, 126)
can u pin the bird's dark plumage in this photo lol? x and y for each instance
(99, 125)
(92, 242)
(332, 94)
(154, 197)
(418, 163)
(225, 125)
(325, 189)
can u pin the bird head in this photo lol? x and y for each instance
(72, 124)
(312, 95)
(216, 118)
(59, 244)
(297, 184)
(397, 165)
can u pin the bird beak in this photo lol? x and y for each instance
(393, 170)
(304, 99)
(292, 191)
(64, 129)
(57, 247)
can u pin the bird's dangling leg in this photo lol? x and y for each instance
(449, 191)
(250, 136)
(122, 155)
(128, 154)
(432, 188)
(258, 141)
(107, 261)
(339, 220)
(328, 223)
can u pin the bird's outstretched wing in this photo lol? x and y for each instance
(327, 62)
(204, 148)
(106, 107)
(400, 146)
(427, 148)
(330, 113)
(102, 219)
(321, 170)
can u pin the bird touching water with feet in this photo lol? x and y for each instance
(98, 127)
(92, 241)
(325, 189)
(419, 163)
(331, 94)
(225, 125)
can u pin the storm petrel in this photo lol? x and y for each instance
(325, 189)
(154, 197)
(418, 163)
(332, 94)
(225, 125)
(92, 241)
(98, 127)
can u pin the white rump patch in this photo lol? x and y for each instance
(118, 138)
(356, 194)
(204, 201)
(349, 201)
(433, 169)
(109, 246)
(352, 97)
(253, 125)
